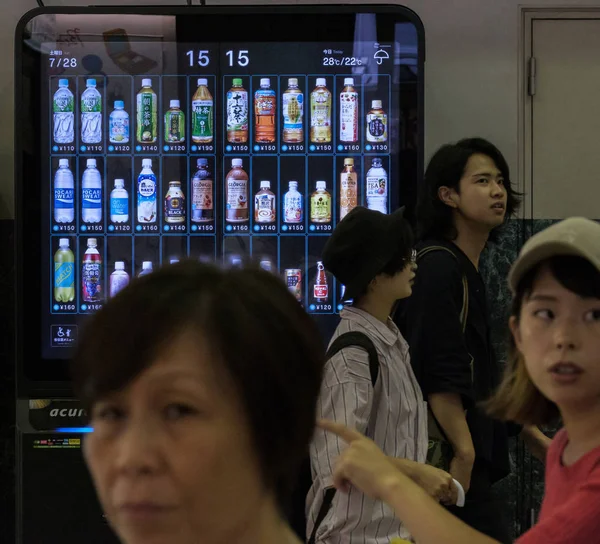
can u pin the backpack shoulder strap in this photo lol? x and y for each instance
(357, 339)
(464, 312)
(348, 339)
(325, 506)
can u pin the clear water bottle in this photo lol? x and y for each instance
(377, 187)
(146, 268)
(119, 279)
(64, 193)
(119, 124)
(293, 207)
(91, 188)
(63, 109)
(91, 114)
(119, 203)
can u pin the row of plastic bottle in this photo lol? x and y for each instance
(91, 187)
(64, 114)
(237, 115)
(202, 194)
(91, 273)
(320, 202)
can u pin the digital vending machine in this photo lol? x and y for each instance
(145, 136)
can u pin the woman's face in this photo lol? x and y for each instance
(399, 285)
(404, 280)
(559, 336)
(171, 455)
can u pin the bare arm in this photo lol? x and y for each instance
(536, 441)
(428, 522)
(364, 465)
(406, 466)
(449, 412)
(436, 483)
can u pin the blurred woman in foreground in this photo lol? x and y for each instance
(201, 385)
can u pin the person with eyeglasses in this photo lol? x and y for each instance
(465, 199)
(368, 382)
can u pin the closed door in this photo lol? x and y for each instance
(565, 115)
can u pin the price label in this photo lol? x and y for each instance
(265, 228)
(63, 228)
(202, 148)
(321, 228)
(237, 148)
(119, 149)
(293, 228)
(321, 147)
(292, 148)
(92, 228)
(120, 228)
(92, 148)
(146, 148)
(203, 228)
(237, 228)
(348, 147)
(147, 228)
(265, 148)
(175, 228)
(63, 149)
(175, 148)
(64, 307)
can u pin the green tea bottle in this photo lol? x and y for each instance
(174, 124)
(147, 114)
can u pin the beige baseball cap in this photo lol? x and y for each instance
(575, 236)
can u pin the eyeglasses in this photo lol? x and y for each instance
(413, 257)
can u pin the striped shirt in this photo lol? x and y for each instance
(393, 415)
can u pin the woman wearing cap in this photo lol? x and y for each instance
(371, 254)
(554, 372)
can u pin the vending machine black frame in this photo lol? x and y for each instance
(37, 377)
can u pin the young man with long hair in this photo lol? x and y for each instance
(465, 199)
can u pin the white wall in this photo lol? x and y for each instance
(471, 71)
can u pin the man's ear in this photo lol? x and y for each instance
(448, 196)
(372, 284)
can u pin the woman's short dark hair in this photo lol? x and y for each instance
(259, 334)
(446, 168)
(517, 398)
(404, 242)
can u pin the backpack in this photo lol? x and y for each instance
(297, 515)
(439, 449)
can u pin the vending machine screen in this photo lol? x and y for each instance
(224, 135)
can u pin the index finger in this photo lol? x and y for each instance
(339, 429)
